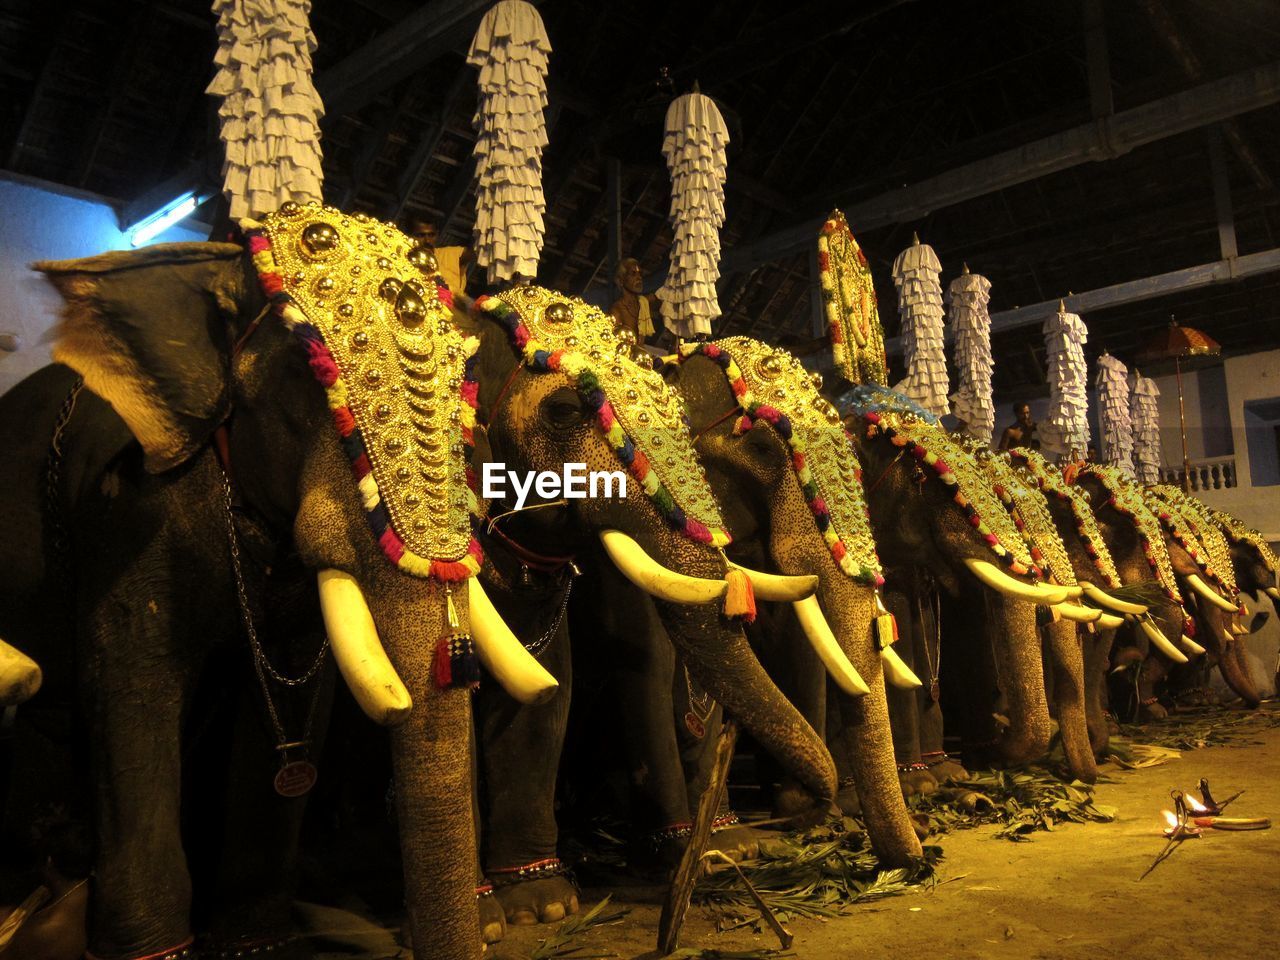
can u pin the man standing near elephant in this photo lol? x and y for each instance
(1022, 432)
(634, 309)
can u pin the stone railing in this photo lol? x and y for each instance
(1211, 473)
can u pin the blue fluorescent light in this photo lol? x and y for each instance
(176, 209)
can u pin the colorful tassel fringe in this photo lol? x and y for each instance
(740, 598)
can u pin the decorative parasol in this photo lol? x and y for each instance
(1066, 430)
(1115, 421)
(1184, 346)
(270, 112)
(510, 50)
(694, 146)
(969, 295)
(915, 274)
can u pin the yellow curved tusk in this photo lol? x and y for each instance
(997, 579)
(20, 676)
(781, 587)
(1109, 621)
(1078, 613)
(1161, 642)
(652, 577)
(504, 656)
(358, 652)
(1104, 599)
(1208, 593)
(827, 648)
(897, 672)
(1272, 592)
(1190, 646)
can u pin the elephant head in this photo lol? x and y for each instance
(327, 349)
(780, 462)
(557, 386)
(1256, 565)
(932, 505)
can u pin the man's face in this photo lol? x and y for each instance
(633, 279)
(425, 233)
(1023, 413)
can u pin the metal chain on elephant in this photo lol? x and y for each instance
(298, 776)
(536, 647)
(53, 480)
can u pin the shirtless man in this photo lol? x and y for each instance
(634, 310)
(1022, 432)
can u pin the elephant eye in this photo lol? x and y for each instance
(563, 409)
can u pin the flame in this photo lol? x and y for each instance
(1169, 816)
(1195, 805)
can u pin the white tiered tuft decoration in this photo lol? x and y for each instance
(1144, 410)
(1066, 428)
(969, 295)
(1115, 422)
(915, 274)
(510, 49)
(694, 146)
(270, 112)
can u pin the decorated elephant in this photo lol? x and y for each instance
(557, 385)
(933, 507)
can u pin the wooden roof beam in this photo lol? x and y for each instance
(1103, 139)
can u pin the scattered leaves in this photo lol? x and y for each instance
(559, 944)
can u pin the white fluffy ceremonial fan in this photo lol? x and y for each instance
(510, 49)
(694, 146)
(270, 112)
(1115, 422)
(1065, 431)
(915, 274)
(968, 296)
(1144, 408)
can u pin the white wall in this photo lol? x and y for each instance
(41, 221)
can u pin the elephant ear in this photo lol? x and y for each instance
(149, 332)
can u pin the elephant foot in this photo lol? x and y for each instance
(944, 767)
(736, 841)
(847, 798)
(493, 918)
(1151, 709)
(916, 779)
(540, 892)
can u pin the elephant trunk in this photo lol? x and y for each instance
(1067, 659)
(1021, 679)
(865, 726)
(431, 764)
(1097, 658)
(1233, 666)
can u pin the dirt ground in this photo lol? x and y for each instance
(1070, 893)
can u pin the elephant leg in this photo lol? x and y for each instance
(257, 852)
(1097, 658)
(1016, 640)
(1151, 673)
(1067, 659)
(800, 675)
(972, 690)
(520, 756)
(904, 705)
(134, 682)
(928, 654)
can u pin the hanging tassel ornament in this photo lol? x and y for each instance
(915, 274)
(456, 663)
(886, 626)
(510, 50)
(1115, 421)
(1065, 430)
(270, 113)
(739, 598)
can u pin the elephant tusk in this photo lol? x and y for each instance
(898, 673)
(824, 644)
(1272, 592)
(773, 586)
(505, 657)
(1109, 621)
(1104, 599)
(652, 577)
(358, 651)
(997, 579)
(1218, 600)
(1190, 646)
(1078, 613)
(20, 676)
(1157, 637)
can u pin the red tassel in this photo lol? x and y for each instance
(740, 598)
(444, 662)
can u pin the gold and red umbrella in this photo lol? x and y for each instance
(1186, 347)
